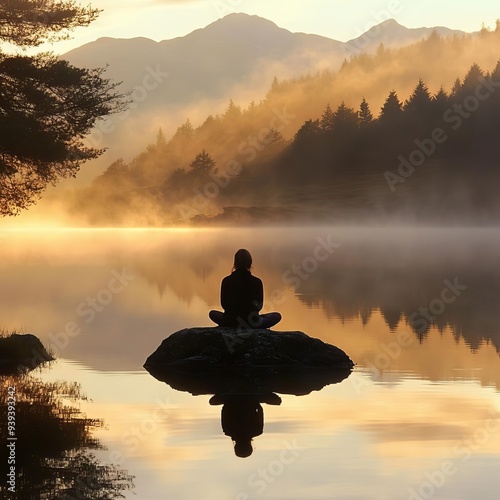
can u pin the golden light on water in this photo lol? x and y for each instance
(403, 411)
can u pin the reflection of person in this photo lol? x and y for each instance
(242, 297)
(242, 418)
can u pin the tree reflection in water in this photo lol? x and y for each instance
(53, 457)
(401, 272)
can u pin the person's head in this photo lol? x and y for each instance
(242, 260)
(243, 447)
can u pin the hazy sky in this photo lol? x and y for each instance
(337, 19)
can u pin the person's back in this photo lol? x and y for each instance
(242, 297)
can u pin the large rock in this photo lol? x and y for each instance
(21, 353)
(225, 360)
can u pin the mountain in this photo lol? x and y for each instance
(392, 35)
(234, 51)
(207, 63)
(193, 76)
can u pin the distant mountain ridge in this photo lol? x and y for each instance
(209, 61)
(230, 52)
(392, 34)
(195, 75)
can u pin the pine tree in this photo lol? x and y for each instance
(365, 115)
(485, 30)
(161, 142)
(47, 106)
(345, 120)
(433, 40)
(495, 75)
(203, 162)
(326, 122)
(274, 137)
(185, 132)
(495, 97)
(207, 124)
(113, 176)
(472, 79)
(420, 101)
(232, 111)
(275, 84)
(441, 101)
(456, 90)
(381, 52)
(392, 110)
(308, 133)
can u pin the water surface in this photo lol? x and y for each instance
(417, 310)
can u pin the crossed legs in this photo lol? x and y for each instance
(266, 320)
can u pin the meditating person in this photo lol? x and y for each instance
(242, 298)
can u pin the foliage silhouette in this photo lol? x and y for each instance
(203, 162)
(47, 106)
(28, 23)
(53, 449)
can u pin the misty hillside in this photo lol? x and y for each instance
(316, 147)
(235, 57)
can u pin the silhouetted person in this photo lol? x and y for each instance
(242, 418)
(242, 297)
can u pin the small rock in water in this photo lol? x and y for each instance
(217, 359)
(21, 353)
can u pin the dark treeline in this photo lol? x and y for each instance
(421, 155)
(429, 157)
(461, 124)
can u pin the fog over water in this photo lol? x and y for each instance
(415, 308)
(348, 274)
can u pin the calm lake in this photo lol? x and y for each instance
(417, 310)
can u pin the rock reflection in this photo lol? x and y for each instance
(242, 415)
(51, 456)
(242, 380)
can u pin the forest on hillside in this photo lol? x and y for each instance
(425, 156)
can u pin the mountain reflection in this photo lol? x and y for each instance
(405, 274)
(52, 451)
